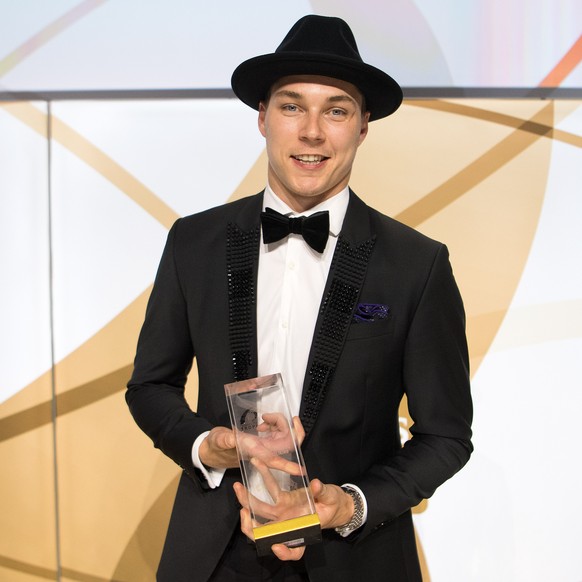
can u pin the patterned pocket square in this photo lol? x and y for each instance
(370, 312)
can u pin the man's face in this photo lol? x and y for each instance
(313, 126)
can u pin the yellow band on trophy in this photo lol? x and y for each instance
(297, 523)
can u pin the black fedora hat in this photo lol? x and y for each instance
(318, 45)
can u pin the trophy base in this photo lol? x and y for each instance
(296, 532)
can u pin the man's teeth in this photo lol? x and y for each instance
(310, 159)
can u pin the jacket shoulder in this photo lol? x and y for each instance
(206, 230)
(396, 232)
(224, 212)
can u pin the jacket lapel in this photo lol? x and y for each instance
(242, 260)
(344, 284)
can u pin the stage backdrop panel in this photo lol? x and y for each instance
(85, 45)
(27, 488)
(85, 216)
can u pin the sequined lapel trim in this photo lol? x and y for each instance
(241, 255)
(347, 274)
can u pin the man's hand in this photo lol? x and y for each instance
(332, 504)
(218, 449)
(273, 443)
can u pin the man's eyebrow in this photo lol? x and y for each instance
(341, 99)
(287, 93)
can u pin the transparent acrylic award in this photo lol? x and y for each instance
(272, 466)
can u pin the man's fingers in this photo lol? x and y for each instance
(269, 480)
(287, 554)
(247, 499)
(246, 524)
(290, 467)
(253, 447)
(275, 421)
(299, 430)
(241, 494)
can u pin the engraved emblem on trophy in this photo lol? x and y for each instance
(272, 466)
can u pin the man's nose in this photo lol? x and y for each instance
(312, 129)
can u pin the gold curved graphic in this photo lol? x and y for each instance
(142, 551)
(37, 41)
(480, 169)
(95, 158)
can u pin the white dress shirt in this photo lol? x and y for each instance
(291, 281)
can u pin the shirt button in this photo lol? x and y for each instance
(291, 265)
(284, 325)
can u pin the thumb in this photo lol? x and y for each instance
(318, 489)
(230, 440)
(227, 441)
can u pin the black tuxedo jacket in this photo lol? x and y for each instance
(203, 305)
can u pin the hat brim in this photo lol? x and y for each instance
(252, 79)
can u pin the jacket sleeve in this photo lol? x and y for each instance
(155, 392)
(436, 382)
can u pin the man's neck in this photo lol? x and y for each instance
(306, 203)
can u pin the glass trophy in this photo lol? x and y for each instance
(271, 463)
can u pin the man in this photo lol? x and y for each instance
(369, 314)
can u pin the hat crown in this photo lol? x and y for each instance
(323, 35)
(322, 46)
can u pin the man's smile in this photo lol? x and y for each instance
(310, 158)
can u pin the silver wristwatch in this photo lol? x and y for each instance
(358, 517)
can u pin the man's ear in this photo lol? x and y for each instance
(364, 128)
(261, 120)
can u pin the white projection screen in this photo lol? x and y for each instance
(116, 118)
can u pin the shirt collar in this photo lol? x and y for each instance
(337, 206)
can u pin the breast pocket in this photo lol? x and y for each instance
(370, 329)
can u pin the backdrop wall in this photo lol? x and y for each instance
(90, 187)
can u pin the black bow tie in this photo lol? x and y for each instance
(314, 228)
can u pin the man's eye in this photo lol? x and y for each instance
(289, 107)
(337, 112)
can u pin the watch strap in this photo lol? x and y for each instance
(358, 516)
